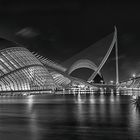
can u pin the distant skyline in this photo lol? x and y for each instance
(58, 30)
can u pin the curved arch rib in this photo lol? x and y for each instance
(83, 63)
(105, 58)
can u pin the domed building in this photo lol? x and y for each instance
(20, 70)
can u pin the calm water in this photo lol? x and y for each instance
(69, 117)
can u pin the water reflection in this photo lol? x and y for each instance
(101, 99)
(133, 116)
(32, 115)
(79, 117)
(92, 99)
(30, 103)
(134, 121)
(80, 98)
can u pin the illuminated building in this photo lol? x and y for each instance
(20, 70)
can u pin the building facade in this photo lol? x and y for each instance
(20, 70)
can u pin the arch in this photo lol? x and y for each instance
(83, 63)
(59, 79)
(20, 70)
(114, 42)
(28, 78)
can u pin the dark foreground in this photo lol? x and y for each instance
(69, 117)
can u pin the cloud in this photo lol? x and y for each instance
(27, 32)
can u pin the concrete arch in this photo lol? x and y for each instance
(20, 70)
(83, 63)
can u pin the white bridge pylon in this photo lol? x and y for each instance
(113, 44)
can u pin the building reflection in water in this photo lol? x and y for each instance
(92, 99)
(80, 98)
(112, 97)
(80, 113)
(32, 115)
(68, 116)
(101, 99)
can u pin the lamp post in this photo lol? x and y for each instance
(111, 82)
(134, 75)
(101, 81)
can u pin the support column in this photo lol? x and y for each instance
(117, 67)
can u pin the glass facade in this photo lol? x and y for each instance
(21, 70)
(60, 80)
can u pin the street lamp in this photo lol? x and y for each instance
(134, 75)
(101, 81)
(112, 82)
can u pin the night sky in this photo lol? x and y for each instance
(60, 29)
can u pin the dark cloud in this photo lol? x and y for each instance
(27, 32)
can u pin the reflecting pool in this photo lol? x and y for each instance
(69, 117)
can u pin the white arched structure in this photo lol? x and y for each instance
(113, 44)
(83, 63)
(59, 79)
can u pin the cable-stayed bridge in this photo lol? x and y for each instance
(62, 73)
(21, 70)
